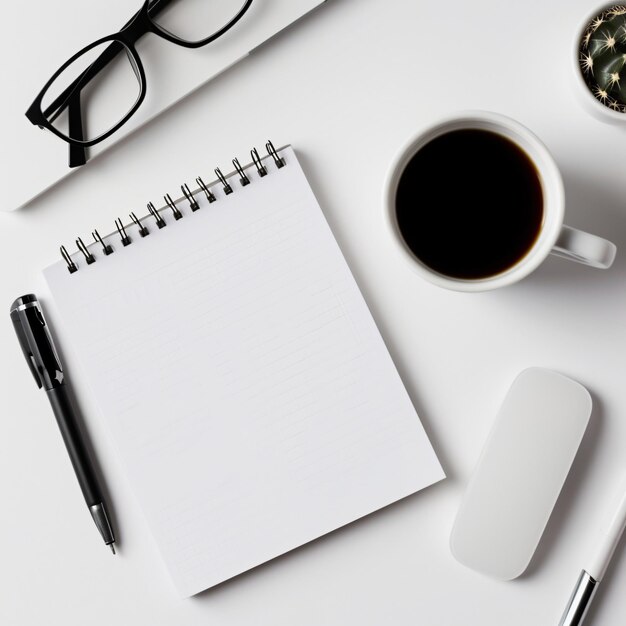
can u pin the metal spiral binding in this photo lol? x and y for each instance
(106, 248)
(172, 205)
(160, 222)
(256, 159)
(143, 231)
(209, 194)
(90, 258)
(71, 266)
(193, 205)
(126, 240)
(279, 161)
(227, 188)
(188, 195)
(243, 179)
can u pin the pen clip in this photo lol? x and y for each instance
(33, 368)
(36, 342)
(25, 346)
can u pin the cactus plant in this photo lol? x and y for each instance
(603, 57)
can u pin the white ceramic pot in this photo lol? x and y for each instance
(582, 91)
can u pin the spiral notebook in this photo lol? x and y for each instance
(244, 383)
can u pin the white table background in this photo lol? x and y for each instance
(346, 87)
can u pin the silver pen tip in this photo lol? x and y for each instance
(112, 546)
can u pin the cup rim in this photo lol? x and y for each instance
(551, 181)
(589, 99)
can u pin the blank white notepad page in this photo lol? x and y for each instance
(244, 382)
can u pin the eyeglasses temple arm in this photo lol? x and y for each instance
(77, 153)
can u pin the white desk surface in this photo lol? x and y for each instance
(347, 87)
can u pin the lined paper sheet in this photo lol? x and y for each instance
(244, 382)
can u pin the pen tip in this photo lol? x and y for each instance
(112, 548)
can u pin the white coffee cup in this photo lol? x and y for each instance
(554, 237)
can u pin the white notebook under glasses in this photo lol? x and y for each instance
(242, 378)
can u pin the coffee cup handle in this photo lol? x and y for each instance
(578, 245)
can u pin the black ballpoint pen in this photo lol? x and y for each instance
(42, 358)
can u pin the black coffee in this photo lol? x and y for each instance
(469, 204)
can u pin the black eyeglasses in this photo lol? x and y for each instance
(107, 76)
